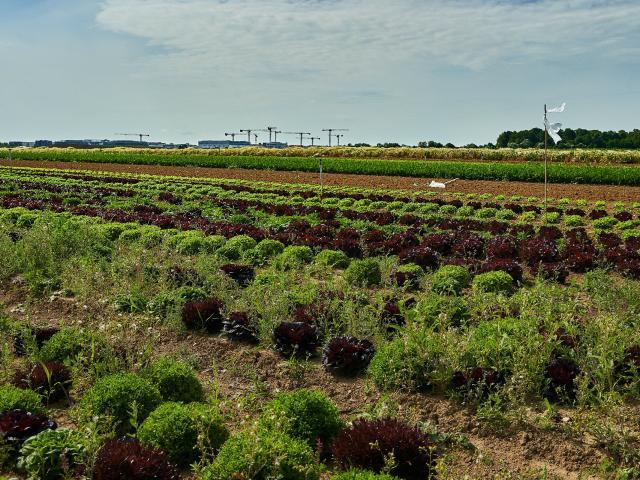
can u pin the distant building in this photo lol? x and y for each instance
(275, 145)
(222, 144)
(124, 143)
(94, 143)
(78, 143)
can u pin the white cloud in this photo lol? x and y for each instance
(284, 38)
(398, 70)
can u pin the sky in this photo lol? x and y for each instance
(404, 71)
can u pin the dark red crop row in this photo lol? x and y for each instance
(64, 188)
(515, 207)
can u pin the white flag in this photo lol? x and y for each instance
(559, 109)
(553, 129)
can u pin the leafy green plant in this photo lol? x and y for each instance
(263, 251)
(450, 279)
(293, 257)
(305, 414)
(434, 309)
(466, 211)
(410, 362)
(512, 345)
(551, 217)
(447, 210)
(573, 221)
(527, 217)
(14, 398)
(176, 428)
(150, 236)
(236, 246)
(604, 223)
(628, 224)
(493, 282)
(176, 381)
(486, 212)
(52, 454)
(505, 214)
(69, 343)
(631, 234)
(263, 455)
(363, 273)
(116, 396)
(333, 258)
(189, 242)
(112, 230)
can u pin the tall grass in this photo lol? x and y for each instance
(588, 156)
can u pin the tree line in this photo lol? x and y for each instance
(578, 138)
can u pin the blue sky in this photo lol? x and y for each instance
(405, 71)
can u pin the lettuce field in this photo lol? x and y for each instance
(159, 327)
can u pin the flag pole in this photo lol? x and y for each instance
(321, 181)
(545, 157)
(319, 157)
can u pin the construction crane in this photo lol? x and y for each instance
(331, 130)
(232, 135)
(302, 134)
(133, 135)
(312, 139)
(339, 136)
(271, 131)
(248, 132)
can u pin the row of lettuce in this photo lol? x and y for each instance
(162, 195)
(345, 196)
(524, 172)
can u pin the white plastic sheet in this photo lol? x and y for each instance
(553, 129)
(559, 109)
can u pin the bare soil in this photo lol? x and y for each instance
(245, 377)
(608, 193)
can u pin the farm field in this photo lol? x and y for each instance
(558, 190)
(469, 170)
(406, 333)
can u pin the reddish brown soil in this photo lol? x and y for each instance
(588, 192)
(245, 377)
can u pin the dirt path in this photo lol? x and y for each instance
(587, 192)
